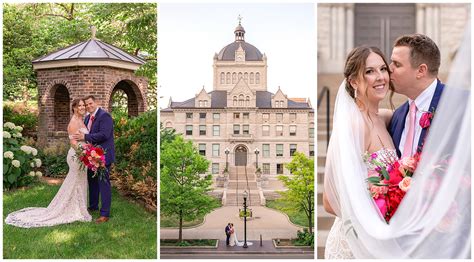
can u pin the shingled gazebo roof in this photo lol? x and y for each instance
(92, 52)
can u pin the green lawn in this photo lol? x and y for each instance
(130, 232)
(297, 218)
(166, 221)
(170, 221)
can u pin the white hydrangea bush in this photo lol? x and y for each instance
(20, 161)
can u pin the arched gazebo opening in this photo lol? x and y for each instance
(61, 105)
(126, 98)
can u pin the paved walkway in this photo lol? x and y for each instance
(267, 250)
(266, 222)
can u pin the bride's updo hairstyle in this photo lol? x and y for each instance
(355, 66)
(75, 104)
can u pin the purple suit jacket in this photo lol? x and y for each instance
(397, 124)
(102, 134)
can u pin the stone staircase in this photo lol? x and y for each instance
(242, 179)
(325, 220)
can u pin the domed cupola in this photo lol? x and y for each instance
(251, 52)
(239, 33)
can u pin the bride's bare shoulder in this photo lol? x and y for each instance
(73, 126)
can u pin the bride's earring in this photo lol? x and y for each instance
(355, 93)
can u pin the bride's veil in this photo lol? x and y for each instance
(434, 218)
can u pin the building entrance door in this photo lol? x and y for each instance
(241, 156)
(381, 24)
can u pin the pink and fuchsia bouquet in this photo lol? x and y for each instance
(93, 158)
(388, 183)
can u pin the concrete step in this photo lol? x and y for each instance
(242, 185)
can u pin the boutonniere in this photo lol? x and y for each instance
(425, 120)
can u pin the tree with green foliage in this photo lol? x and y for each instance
(31, 30)
(300, 186)
(183, 188)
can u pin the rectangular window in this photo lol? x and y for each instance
(266, 150)
(216, 149)
(216, 130)
(245, 129)
(202, 130)
(202, 149)
(279, 169)
(236, 115)
(265, 116)
(265, 130)
(279, 130)
(216, 117)
(292, 130)
(202, 115)
(311, 150)
(266, 168)
(292, 117)
(279, 117)
(236, 129)
(215, 168)
(311, 132)
(189, 115)
(246, 115)
(189, 130)
(279, 150)
(292, 149)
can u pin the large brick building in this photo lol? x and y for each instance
(241, 116)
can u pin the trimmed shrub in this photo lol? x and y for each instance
(135, 169)
(22, 115)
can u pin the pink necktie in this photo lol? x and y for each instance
(89, 125)
(407, 149)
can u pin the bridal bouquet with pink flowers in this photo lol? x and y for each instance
(93, 158)
(388, 183)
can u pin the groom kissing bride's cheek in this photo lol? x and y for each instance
(376, 151)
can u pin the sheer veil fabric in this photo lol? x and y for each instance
(434, 218)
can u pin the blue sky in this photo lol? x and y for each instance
(190, 34)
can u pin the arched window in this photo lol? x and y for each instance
(257, 78)
(240, 76)
(222, 78)
(247, 101)
(227, 79)
(235, 101)
(234, 78)
(251, 78)
(246, 77)
(241, 100)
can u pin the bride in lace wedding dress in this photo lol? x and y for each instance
(367, 85)
(70, 203)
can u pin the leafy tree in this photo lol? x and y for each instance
(300, 186)
(183, 190)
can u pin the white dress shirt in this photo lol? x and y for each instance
(422, 103)
(89, 124)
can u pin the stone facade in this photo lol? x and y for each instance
(444, 23)
(240, 115)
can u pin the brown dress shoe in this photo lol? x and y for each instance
(101, 219)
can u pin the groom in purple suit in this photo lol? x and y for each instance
(101, 132)
(414, 73)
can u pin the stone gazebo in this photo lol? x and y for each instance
(87, 68)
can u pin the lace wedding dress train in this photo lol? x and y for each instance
(69, 204)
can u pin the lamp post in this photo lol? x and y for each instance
(256, 155)
(227, 151)
(245, 219)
